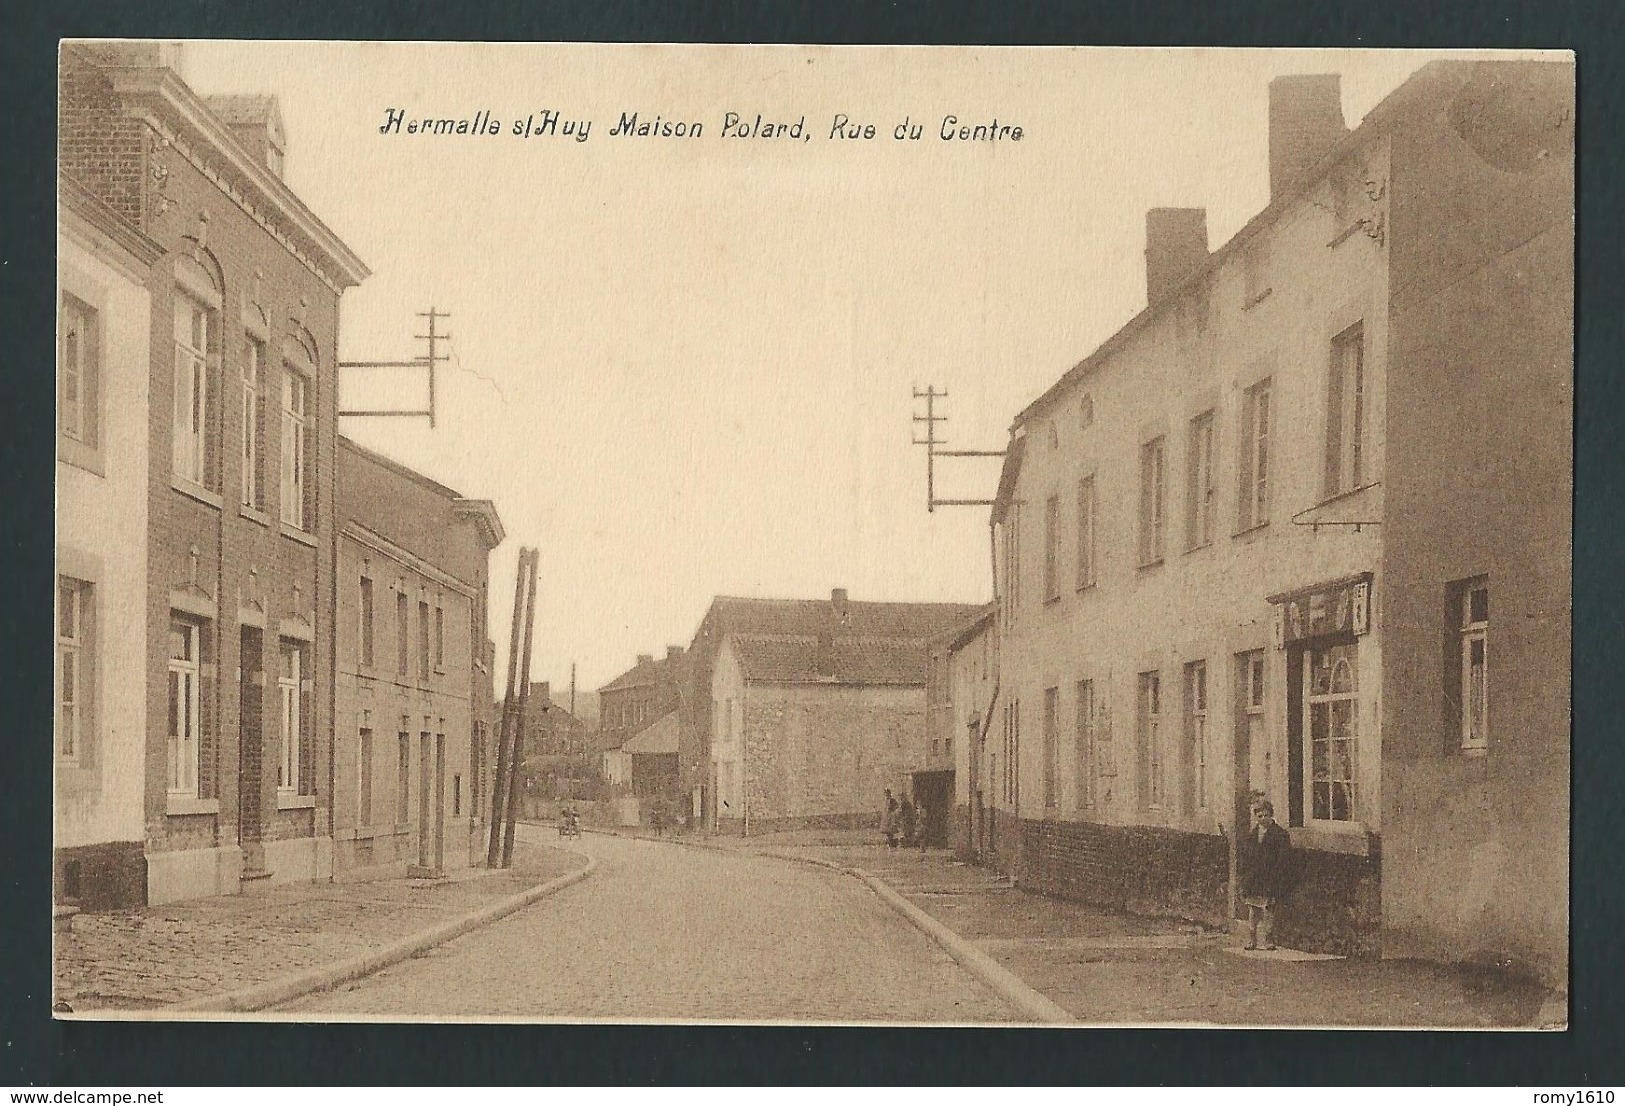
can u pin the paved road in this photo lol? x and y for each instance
(668, 932)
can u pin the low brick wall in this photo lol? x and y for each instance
(1136, 869)
(1336, 905)
(851, 821)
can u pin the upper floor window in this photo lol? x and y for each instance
(1253, 493)
(403, 633)
(423, 640)
(295, 427)
(1086, 412)
(1202, 499)
(1052, 547)
(1473, 611)
(1086, 531)
(439, 636)
(366, 621)
(253, 428)
(1153, 493)
(1345, 413)
(194, 333)
(78, 361)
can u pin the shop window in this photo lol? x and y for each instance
(1331, 679)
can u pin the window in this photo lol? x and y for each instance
(78, 365)
(1250, 669)
(1473, 606)
(1196, 731)
(1152, 491)
(439, 636)
(253, 475)
(456, 795)
(403, 774)
(1255, 263)
(1052, 747)
(184, 671)
(1012, 563)
(72, 667)
(1086, 532)
(402, 633)
(1334, 725)
(1052, 548)
(1150, 738)
(1202, 501)
(1345, 413)
(366, 621)
(193, 324)
(1252, 499)
(1084, 751)
(1086, 412)
(423, 639)
(364, 806)
(290, 688)
(294, 429)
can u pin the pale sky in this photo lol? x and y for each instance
(682, 368)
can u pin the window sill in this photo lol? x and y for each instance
(253, 515)
(1474, 752)
(1148, 566)
(1253, 301)
(1248, 533)
(75, 775)
(301, 536)
(80, 455)
(186, 804)
(195, 491)
(1349, 838)
(1081, 588)
(287, 800)
(1050, 601)
(1198, 547)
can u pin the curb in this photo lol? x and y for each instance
(1005, 983)
(260, 995)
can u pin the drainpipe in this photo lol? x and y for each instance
(744, 760)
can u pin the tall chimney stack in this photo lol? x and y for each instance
(645, 659)
(1175, 245)
(1306, 121)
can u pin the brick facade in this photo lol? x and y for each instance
(262, 270)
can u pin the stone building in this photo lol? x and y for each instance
(241, 447)
(959, 694)
(817, 707)
(414, 719)
(100, 731)
(1248, 546)
(634, 700)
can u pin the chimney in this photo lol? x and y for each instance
(645, 658)
(1306, 121)
(673, 652)
(837, 600)
(1175, 244)
(824, 656)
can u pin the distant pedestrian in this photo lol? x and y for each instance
(1264, 862)
(908, 816)
(888, 821)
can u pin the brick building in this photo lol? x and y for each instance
(414, 717)
(239, 528)
(634, 700)
(1248, 546)
(100, 731)
(816, 708)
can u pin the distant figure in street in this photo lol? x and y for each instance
(888, 821)
(1264, 863)
(908, 821)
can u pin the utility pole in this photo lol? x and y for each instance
(505, 743)
(932, 451)
(519, 724)
(433, 359)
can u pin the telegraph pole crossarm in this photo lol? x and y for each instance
(933, 449)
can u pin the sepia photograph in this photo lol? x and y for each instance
(815, 535)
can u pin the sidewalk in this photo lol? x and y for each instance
(157, 955)
(1115, 968)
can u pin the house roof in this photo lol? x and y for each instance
(956, 636)
(1428, 87)
(646, 673)
(659, 736)
(804, 659)
(855, 618)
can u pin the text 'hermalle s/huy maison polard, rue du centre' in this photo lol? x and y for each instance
(843, 127)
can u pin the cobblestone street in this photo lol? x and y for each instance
(662, 931)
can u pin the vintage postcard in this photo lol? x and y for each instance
(654, 533)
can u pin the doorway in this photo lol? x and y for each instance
(933, 799)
